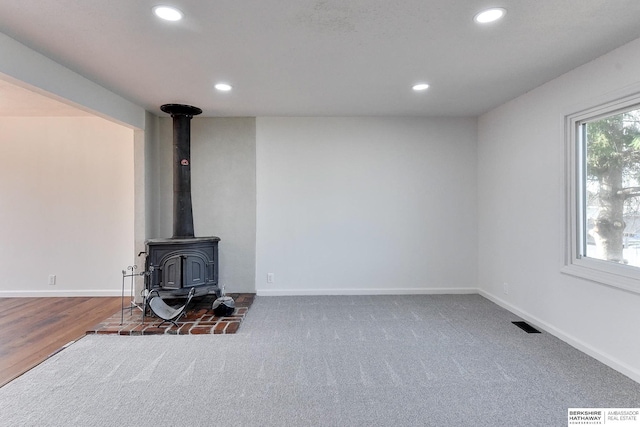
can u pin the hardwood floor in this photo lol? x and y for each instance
(31, 329)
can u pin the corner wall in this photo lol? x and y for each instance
(223, 187)
(521, 194)
(366, 205)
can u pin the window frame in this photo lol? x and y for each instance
(604, 272)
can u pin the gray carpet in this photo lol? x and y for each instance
(429, 360)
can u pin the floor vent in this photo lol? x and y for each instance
(526, 327)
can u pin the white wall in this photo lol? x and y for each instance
(223, 187)
(151, 169)
(66, 197)
(521, 198)
(366, 205)
(145, 142)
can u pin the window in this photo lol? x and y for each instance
(604, 194)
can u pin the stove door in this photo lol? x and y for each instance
(171, 272)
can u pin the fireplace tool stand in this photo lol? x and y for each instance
(130, 273)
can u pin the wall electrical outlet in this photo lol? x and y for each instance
(269, 277)
(52, 279)
(505, 288)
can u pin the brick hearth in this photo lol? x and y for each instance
(199, 319)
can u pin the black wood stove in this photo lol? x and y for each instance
(177, 264)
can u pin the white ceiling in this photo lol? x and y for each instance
(322, 57)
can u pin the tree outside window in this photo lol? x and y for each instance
(610, 223)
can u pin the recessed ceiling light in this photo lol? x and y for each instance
(167, 13)
(420, 86)
(489, 15)
(224, 87)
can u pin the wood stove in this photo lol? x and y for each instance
(177, 264)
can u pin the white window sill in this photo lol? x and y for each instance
(614, 275)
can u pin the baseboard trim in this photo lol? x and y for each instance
(64, 293)
(597, 354)
(406, 291)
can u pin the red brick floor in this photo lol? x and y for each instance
(199, 319)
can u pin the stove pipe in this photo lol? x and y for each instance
(182, 212)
